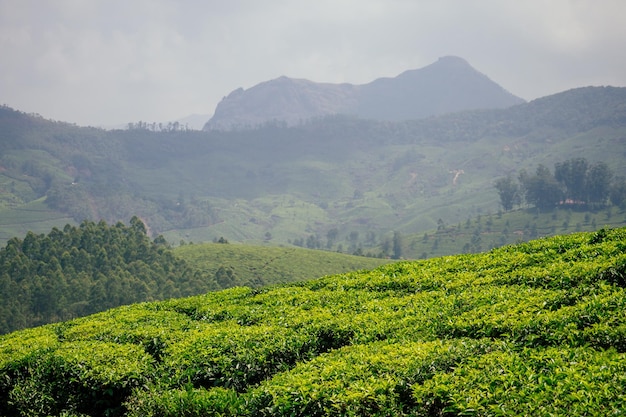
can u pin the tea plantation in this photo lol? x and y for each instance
(533, 329)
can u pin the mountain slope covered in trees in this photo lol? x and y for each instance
(354, 180)
(532, 329)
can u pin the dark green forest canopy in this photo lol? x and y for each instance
(82, 270)
(532, 329)
(95, 266)
(575, 183)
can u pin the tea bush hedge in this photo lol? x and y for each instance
(533, 329)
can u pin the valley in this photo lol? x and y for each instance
(359, 177)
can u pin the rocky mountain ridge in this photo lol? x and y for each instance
(449, 85)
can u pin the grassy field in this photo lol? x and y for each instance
(34, 216)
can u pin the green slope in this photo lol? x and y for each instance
(93, 267)
(533, 329)
(258, 266)
(492, 230)
(35, 215)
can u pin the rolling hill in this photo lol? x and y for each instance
(532, 329)
(260, 266)
(82, 270)
(357, 180)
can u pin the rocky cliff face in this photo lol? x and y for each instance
(446, 86)
(285, 100)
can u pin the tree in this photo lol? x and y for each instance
(138, 226)
(618, 193)
(331, 236)
(508, 191)
(573, 174)
(386, 247)
(313, 242)
(397, 245)
(541, 190)
(225, 277)
(599, 183)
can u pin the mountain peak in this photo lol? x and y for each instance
(452, 60)
(450, 84)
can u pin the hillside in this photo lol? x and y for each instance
(259, 266)
(532, 329)
(493, 230)
(446, 86)
(93, 267)
(86, 269)
(356, 181)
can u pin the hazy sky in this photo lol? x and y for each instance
(105, 62)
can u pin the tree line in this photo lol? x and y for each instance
(86, 269)
(158, 127)
(389, 247)
(574, 182)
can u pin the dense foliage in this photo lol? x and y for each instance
(575, 182)
(533, 329)
(95, 266)
(82, 270)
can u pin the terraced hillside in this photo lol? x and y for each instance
(533, 329)
(259, 266)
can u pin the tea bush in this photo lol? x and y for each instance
(533, 329)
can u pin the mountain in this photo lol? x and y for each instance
(448, 85)
(285, 100)
(337, 182)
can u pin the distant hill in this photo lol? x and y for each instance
(337, 182)
(258, 266)
(448, 85)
